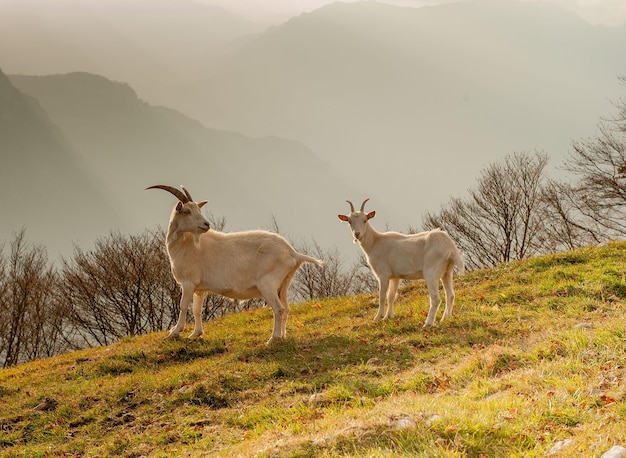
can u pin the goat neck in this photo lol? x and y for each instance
(186, 226)
(176, 240)
(368, 239)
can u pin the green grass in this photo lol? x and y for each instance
(534, 354)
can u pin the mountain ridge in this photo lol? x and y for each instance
(457, 83)
(402, 105)
(128, 145)
(38, 165)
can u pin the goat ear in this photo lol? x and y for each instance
(202, 203)
(371, 214)
(179, 206)
(342, 217)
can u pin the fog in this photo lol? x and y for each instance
(279, 111)
(606, 12)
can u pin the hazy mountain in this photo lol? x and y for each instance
(607, 12)
(406, 104)
(154, 45)
(44, 185)
(415, 101)
(129, 145)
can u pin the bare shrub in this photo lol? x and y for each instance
(590, 207)
(501, 220)
(122, 287)
(30, 319)
(566, 227)
(598, 193)
(333, 279)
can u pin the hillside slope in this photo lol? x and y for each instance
(532, 361)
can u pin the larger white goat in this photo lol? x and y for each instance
(393, 257)
(239, 265)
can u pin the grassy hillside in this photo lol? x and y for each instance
(534, 355)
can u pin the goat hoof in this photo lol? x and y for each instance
(427, 325)
(195, 336)
(273, 340)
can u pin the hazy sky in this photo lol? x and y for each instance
(608, 12)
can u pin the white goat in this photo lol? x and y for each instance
(239, 265)
(393, 257)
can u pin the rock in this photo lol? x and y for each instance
(47, 405)
(319, 399)
(617, 451)
(560, 445)
(433, 419)
(404, 422)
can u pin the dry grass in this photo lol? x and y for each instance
(534, 355)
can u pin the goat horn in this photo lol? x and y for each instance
(351, 206)
(363, 204)
(179, 195)
(187, 193)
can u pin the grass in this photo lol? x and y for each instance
(534, 355)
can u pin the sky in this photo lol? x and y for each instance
(605, 12)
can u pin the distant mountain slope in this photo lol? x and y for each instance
(44, 185)
(429, 95)
(407, 103)
(129, 145)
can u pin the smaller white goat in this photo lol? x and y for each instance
(239, 265)
(392, 256)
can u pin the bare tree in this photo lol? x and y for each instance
(122, 287)
(29, 319)
(599, 165)
(566, 228)
(331, 280)
(500, 221)
(365, 278)
(591, 207)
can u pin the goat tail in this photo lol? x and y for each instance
(457, 259)
(305, 258)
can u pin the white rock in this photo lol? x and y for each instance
(433, 419)
(617, 451)
(560, 445)
(404, 423)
